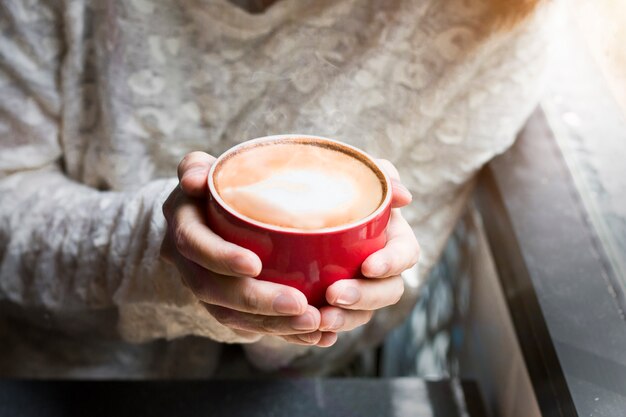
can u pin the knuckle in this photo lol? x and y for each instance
(414, 253)
(295, 340)
(181, 238)
(223, 255)
(267, 325)
(366, 317)
(361, 319)
(309, 338)
(315, 337)
(204, 286)
(186, 183)
(194, 286)
(399, 260)
(418, 251)
(221, 314)
(182, 165)
(250, 298)
(167, 208)
(170, 203)
(165, 250)
(399, 290)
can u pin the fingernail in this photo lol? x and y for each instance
(399, 185)
(338, 323)
(286, 304)
(307, 338)
(348, 297)
(379, 269)
(304, 322)
(243, 265)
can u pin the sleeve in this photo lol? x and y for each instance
(64, 245)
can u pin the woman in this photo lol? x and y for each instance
(99, 101)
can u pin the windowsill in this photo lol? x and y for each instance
(559, 285)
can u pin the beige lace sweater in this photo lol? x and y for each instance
(99, 101)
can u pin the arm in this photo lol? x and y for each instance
(64, 245)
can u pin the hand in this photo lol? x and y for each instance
(220, 273)
(353, 301)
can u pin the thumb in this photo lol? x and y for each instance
(193, 171)
(400, 195)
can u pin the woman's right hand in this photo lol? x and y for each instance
(221, 273)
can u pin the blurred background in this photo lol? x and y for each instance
(458, 329)
(529, 298)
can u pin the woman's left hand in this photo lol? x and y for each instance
(354, 301)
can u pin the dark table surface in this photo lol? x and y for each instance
(251, 398)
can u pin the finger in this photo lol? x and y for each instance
(167, 249)
(307, 339)
(327, 340)
(324, 339)
(193, 171)
(335, 319)
(170, 203)
(389, 168)
(196, 242)
(400, 195)
(271, 325)
(167, 246)
(399, 254)
(244, 294)
(249, 336)
(365, 294)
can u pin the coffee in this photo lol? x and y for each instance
(312, 209)
(299, 184)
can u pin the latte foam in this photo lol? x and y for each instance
(299, 186)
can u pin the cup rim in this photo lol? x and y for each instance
(386, 201)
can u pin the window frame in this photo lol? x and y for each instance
(566, 303)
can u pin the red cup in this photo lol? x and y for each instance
(309, 260)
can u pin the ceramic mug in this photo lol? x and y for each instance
(309, 260)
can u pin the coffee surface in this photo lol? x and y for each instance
(298, 186)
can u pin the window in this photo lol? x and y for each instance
(585, 104)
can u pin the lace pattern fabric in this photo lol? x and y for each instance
(99, 101)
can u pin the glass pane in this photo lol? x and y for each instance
(583, 94)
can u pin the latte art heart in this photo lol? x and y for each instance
(296, 198)
(299, 186)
